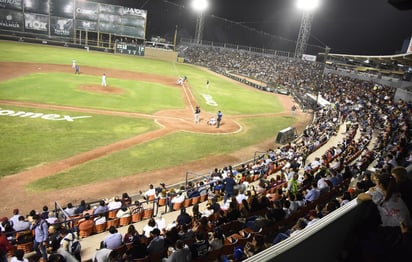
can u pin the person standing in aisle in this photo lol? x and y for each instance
(219, 118)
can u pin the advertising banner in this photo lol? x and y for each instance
(86, 10)
(137, 32)
(111, 9)
(36, 6)
(135, 12)
(133, 21)
(307, 57)
(11, 20)
(36, 23)
(110, 28)
(11, 4)
(61, 8)
(109, 18)
(86, 25)
(61, 26)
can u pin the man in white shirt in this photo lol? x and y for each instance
(21, 224)
(70, 210)
(150, 192)
(15, 218)
(114, 204)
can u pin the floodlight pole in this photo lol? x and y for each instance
(304, 33)
(200, 22)
(320, 85)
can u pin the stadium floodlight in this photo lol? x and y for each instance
(199, 6)
(307, 7)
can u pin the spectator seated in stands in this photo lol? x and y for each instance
(180, 253)
(157, 244)
(124, 211)
(114, 203)
(101, 209)
(21, 224)
(81, 208)
(86, 223)
(200, 247)
(114, 240)
(151, 224)
(70, 210)
(126, 199)
(150, 193)
(300, 224)
(183, 218)
(137, 250)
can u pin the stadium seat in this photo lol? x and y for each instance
(147, 213)
(152, 198)
(124, 221)
(177, 206)
(228, 249)
(26, 247)
(86, 233)
(99, 228)
(187, 202)
(113, 222)
(203, 198)
(137, 217)
(144, 259)
(195, 200)
(112, 214)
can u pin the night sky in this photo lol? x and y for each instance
(369, 27)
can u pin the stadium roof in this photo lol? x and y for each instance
(403, 59)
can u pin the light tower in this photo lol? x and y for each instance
(199, 6)
(307, 7)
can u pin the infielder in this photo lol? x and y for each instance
(104, 80)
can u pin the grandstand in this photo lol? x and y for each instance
(364, 149)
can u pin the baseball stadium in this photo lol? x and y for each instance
(94, 116)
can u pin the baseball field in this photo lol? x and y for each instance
(64, 137)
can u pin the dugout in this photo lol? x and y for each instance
(286, 135)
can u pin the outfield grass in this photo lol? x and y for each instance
(27, 142)
(168, 151)
(30, 142)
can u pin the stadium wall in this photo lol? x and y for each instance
(161, 54)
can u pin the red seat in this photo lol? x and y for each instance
(124, 221)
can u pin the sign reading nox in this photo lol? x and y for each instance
(55, 117)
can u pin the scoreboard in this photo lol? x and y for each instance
(130, 49)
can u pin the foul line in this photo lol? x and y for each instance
(185, 89)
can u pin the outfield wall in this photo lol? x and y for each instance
(161, 54)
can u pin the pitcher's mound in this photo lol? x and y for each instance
(102, 89)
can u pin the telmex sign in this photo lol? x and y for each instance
(55, 117)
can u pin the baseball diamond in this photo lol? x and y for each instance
(29, 187)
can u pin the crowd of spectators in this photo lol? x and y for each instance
(290, 193)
